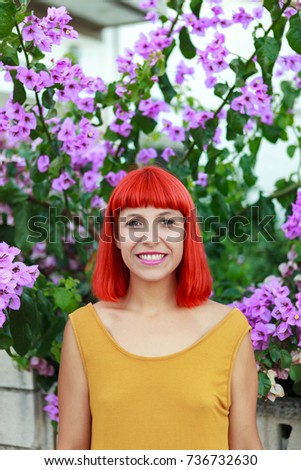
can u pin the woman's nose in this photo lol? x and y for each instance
(150, 234)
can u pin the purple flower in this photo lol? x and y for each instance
(181, 71)
(28, 77)
(114, 178)
(175, 133)
(123, 129)
(98, 202)
(14, 275)
(63, 182)
(146, 4)
(143, 46)
(260, 334)
(167, 153)
(283, 331)
(152, 108)
(2, 318)
(145, 155)
(294, 318)
(243, 17)
(292, 227)
(67, 131)
(43, 163)
(41, 366)
(152, 16)
(90, 180)
(202, 179)
(254, 101)
(52, 408)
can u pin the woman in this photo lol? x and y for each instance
(155, 364)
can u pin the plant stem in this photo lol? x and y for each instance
(176, 19)
(284, 192)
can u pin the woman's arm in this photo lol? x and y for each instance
(74, 411)
(243, 433)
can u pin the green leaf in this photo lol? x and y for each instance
(278, 20)
(19, 94)
(290, 94)
(166, 87)
(6, 341)
(254, 146)
(220, 89)
(271, 133)
(195, 6)
(187, 48)
(291, 149)
(9, 55)
(247, 164)
(145, 123)
(264, 384)
(22, 214)
(66, 300)
(274, 351)
(203, 136)
(7, 16)
(267, 51)
(111, 97)
(41, 189)
(235, 123)
(20, 325)
(285, 359)
(47, 98)
(243, 69)
(294, 33)
(11, 194)
(175, 4)
(295, 372)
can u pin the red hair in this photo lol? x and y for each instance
(151, 186)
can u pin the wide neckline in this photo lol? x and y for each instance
(166, 356)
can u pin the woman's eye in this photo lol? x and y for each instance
(132, 223)
(168, 221)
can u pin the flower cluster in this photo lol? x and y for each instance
(16, 122)
(255, 101)
(48, 30)
(14, 276)
(289, 64)
(292, 227)
(213, 59)
(52, 409)
(41, 366)
(274, 312)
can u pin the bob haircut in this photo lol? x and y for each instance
(156, 187)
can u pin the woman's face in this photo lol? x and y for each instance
(151, 241)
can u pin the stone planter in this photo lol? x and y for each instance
(24, 424)
(279, 423)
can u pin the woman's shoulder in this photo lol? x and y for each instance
(213, 312)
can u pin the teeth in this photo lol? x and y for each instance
(151, 257)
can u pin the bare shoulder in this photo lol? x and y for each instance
(107, 311)
(214, 312)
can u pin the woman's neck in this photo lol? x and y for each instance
(149, 298)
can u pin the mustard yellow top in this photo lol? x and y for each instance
(178, 401)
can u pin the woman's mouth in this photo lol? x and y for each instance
(152, 259)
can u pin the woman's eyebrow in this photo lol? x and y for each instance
(139, 215)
